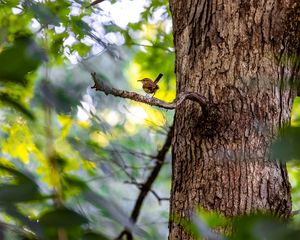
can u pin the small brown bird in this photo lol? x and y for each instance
(150, 86)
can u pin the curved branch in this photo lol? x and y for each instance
(100, 86)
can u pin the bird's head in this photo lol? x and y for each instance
(143, 80)
(140, 80)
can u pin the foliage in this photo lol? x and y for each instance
(53, 140)
(253, 226)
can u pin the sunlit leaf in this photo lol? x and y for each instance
(202, 229)
(81, 48)
(19, 143)
(212, 219)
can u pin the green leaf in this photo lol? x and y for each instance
(56, 44)
(62, 218)
(111, 27)
(286, 146)
(81, 48)
(23, 192)
(8, 3)
(8, 100)
(94, 236)
(19, 59)
(79, 27)
(262, 227)
(25, 188)
(42, 13)
(212, 219)
(75, 181)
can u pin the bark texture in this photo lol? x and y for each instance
(230, 52)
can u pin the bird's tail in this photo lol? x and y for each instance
(158, 78)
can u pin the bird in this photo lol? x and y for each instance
(150, 86)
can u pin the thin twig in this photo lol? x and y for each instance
(296, 212)
(100, 86)
(146, 187)
(153, 46)
(18, 230)
(159, 199)
(155, 194)
(94, 3)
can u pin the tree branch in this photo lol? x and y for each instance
(140, 185)
(94, 3)
(146, 187)
(296, 212)
(100, 86)
(18, 230)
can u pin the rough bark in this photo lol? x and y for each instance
(231, 53)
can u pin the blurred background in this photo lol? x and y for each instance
(73, 160)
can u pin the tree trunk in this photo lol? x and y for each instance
(231, 52)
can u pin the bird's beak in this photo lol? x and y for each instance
(140, 80)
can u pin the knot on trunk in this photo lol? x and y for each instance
(213, 121)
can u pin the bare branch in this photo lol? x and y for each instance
(153, 46)
(18, 230)
(155, 194)
(94, 3)
(296, 212)
(159, 199)
(146, 187)
(100, 86)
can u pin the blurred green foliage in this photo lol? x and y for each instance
(66, 151)
(252, 227)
